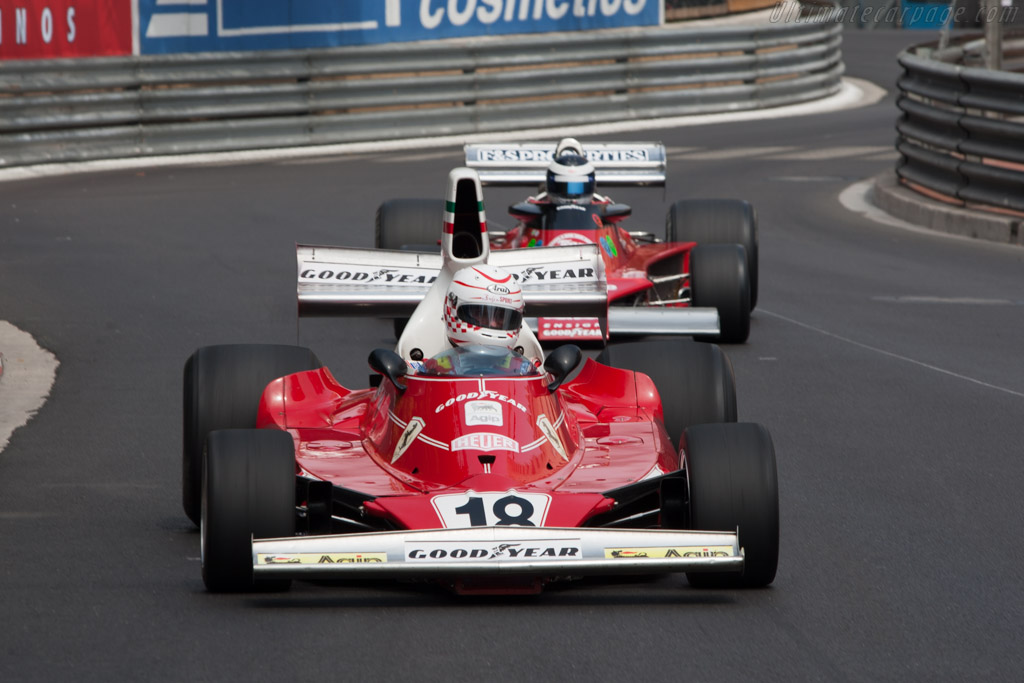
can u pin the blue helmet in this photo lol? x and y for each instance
(570, 178)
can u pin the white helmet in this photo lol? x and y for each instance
(484, 305)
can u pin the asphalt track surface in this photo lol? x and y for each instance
(886, 363)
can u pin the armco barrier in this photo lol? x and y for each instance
(69, 110)
(961, 132)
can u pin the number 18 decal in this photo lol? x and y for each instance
(462, 510)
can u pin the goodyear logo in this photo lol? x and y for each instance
(470, 551)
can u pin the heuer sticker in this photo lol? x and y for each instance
(570, 238)
(485, 441)
(483, 413)
(493, 551)
(323, 558)
(662, 553)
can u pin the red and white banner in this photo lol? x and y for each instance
(43, 29)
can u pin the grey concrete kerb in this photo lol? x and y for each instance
(897, 200)
(26, 380)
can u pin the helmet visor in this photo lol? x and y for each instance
(491, 317)
(571, 187)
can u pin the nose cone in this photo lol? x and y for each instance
(465, 241)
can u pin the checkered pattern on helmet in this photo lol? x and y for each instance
(474, 285)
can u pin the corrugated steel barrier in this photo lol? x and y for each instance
(961, 132)
(83, 109)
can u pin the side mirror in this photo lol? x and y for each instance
(388, 363)
(617, 210)
(561, 362)
(525, 209)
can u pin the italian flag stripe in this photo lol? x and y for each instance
(450, 206)
(449, 216)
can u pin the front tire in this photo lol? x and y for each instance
(222, 390)
(733, 483)
(695, 380)
(718, 279)
(248, 491)
(717, 221)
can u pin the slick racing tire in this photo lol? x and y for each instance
(718, 279)
(733, 484)
(248, 491)
(695, 380)
(222, 390)
(717, 221)
(409, 225)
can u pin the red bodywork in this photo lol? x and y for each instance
(415, 454)
(629, 265)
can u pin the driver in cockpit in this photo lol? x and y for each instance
(570, 176)
(483, 313)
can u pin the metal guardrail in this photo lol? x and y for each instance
(961, 132)
(71, 110)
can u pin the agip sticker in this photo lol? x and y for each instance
(661, 553)
(486, 413)
(323, 558)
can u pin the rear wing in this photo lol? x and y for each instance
(525, 163)
(341, 281)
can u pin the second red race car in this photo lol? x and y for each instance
(707, 259)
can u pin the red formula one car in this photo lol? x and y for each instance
(487, 476)
(707, 260)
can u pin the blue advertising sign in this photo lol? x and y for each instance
(168, 26)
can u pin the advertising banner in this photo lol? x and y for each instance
(44, 29)
(168, 26)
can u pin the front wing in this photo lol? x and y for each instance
(497, 551)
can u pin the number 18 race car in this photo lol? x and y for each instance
(708, 259)
(472, 466)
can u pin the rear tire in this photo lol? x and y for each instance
(733, 483)
(222, 390)
(411, 224)
(718, 279)
(717, 221)
(695, 380)
(248, 491)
